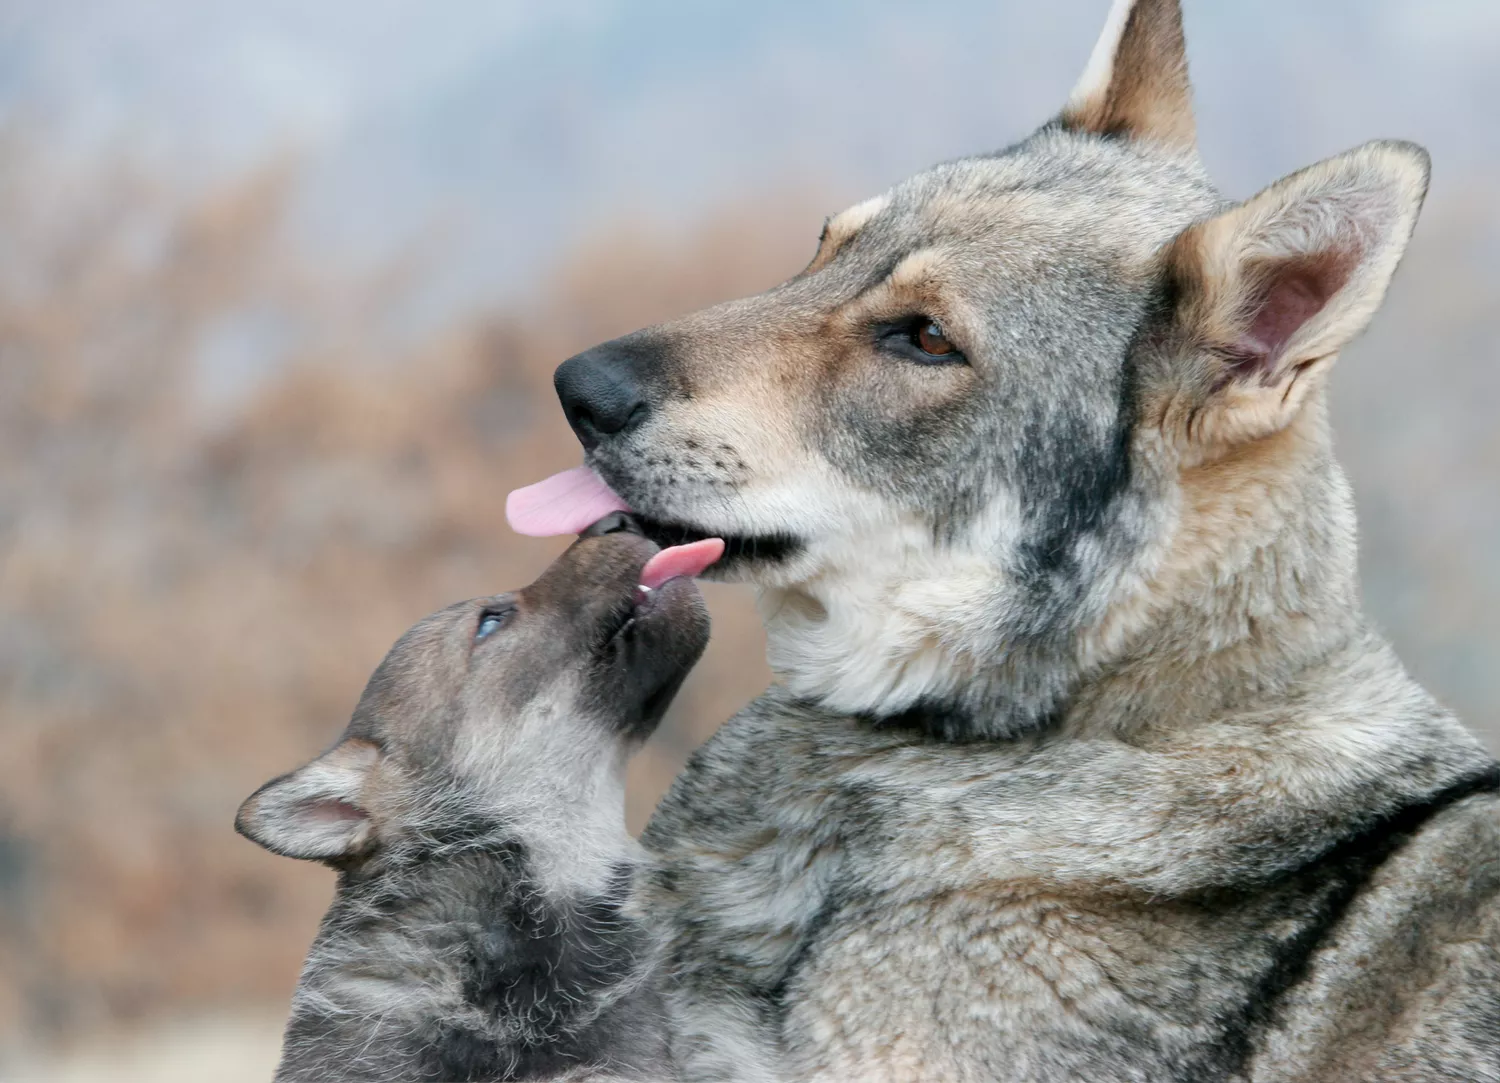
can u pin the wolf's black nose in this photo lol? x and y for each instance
(600, 393)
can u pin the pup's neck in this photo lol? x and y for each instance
(453, 962)
(565, 803)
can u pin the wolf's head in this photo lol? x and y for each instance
(1021, 407)
(512, 714)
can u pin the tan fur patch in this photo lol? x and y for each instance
(1228, 506)
(1220, 497)
(916, 270)
(843, 226)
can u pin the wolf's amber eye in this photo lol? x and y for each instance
(492, 620)
(929, 338)
(920, 339)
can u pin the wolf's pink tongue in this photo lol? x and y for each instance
(689, 560)
(565, 503)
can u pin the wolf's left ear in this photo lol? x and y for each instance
(316, 812)
(1136, 83)
(1261, 298)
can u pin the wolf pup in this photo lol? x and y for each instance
(474, 809)
(1083, 762)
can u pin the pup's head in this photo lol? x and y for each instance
(962, 441)
(514, 713)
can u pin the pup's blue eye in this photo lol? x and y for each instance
(492, 620)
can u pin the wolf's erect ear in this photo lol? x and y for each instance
(1263, 296)
(315, 812)
(1136, 83)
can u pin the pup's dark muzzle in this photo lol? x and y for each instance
(642, 642)
(616, 522)
(598, 589)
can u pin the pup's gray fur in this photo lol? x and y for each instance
(1083, 762)
(474, 808)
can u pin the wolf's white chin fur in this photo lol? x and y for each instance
(884, 616)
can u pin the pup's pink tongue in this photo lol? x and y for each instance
(689, 560)
(565, 503)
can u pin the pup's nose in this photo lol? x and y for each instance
(600, 393)
(616, 522)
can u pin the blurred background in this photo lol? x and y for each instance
(281, 289)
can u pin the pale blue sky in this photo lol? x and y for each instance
(524, 124)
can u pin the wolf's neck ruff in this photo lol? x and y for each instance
(1258, 550)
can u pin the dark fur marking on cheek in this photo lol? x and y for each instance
(1070, 479)
(921, 458)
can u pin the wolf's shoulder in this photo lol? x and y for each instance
(1407, 986)
(784, 764)
(730, 782)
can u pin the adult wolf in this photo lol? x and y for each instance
(1083, 762)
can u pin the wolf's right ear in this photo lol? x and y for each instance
(315, 812)
(1136, 83)
(1261, 298)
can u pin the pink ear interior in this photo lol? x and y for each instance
(332, 810)
(1291, 293)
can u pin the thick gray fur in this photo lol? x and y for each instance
(481, 929)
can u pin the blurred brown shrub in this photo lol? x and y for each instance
(194, 591)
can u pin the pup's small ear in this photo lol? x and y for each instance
(1264, 296)
(1136, 84)
(315, 812)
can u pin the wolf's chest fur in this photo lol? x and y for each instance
(1013, 981)
(878, 906)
